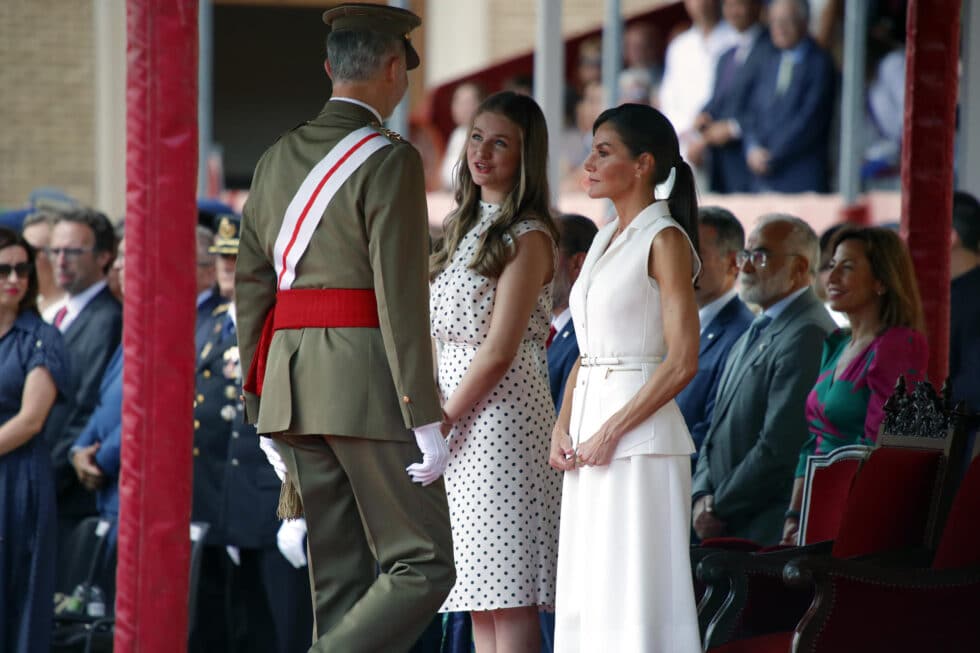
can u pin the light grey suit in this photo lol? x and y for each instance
(749, 454)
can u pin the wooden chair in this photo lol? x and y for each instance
(897, 498)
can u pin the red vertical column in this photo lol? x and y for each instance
(161, 182)
(931, 56)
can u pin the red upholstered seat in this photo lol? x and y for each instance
(889, 503)
(960, 543)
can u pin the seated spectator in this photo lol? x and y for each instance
(642, 50)
(721, 119)
(885, 123)
(466, 98)
(689, 75)
(33, 374)
(872, 280)
(589, 70)
(964, 310)
(635, 86)
(724, 316)
(577, 143)
(788, 123)
(744, 476)
(37, 231)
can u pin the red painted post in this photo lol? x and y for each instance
(161, 183)
(931, 56)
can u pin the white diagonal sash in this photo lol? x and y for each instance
(306, 208)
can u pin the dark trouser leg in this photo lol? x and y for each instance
(287, 592)
(210, 633)
(361, 506)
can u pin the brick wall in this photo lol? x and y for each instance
(46, 111)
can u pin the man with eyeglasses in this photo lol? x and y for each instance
(90, 318)
(744, 475)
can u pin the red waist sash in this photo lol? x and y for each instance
(304, 308)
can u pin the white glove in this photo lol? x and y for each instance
(234, 554)
(291, 540)
(435, 454)
(268, 447)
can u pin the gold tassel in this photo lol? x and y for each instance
(290, 503)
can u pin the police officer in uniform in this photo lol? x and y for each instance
(333, 329)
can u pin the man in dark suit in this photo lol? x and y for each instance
(964, 312)
(744, 475)
(724, 317)
(788, 123)
(721, 120)
(82, 249)
(575, 234)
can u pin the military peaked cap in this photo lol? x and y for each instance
(376, 18)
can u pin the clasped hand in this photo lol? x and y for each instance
(435, 454)
(595, 452)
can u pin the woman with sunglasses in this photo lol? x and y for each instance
(33, 374)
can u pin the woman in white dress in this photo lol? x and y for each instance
(491, 308)
(624, 575)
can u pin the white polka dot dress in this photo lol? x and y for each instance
(503, 496)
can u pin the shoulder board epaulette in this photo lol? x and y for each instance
(393, 136)
(221, 308)
(289, 131)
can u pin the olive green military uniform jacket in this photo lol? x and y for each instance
(363, 382)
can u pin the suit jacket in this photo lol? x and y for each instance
(758, 427)
(793, 125)
(734, 84)
(371, 383)
(697, 400)
(105, 427)
(215, 398)
(91, 340)
(562, 355)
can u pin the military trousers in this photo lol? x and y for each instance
(380, 545)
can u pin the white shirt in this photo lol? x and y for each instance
(713, 308)
(744, 41)
(77, 303)
(359, 103)
(689, 75)
(561, 320)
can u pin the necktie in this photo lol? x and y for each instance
(785, 74)
(758, 325)
(59, 317)
(551, 335)
(728, 72)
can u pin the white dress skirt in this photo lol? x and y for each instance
(624, 571)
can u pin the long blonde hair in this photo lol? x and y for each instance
(529, 199)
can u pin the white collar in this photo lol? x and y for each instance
(561, 320)
(711, 310)
(77, 303)
(204, 295)
(359, 103)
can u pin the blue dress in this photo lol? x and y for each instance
(27, 505)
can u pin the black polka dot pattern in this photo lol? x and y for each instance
(503, 496)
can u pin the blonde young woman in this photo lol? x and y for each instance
(491, 308)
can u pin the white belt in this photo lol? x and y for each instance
(616, 361)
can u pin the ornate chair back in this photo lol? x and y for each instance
(826, 485)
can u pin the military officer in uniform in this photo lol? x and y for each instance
(214, 408)
(333, 328)
(267, 595)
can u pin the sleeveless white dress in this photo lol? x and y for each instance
(624, 572)
(503, 495)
